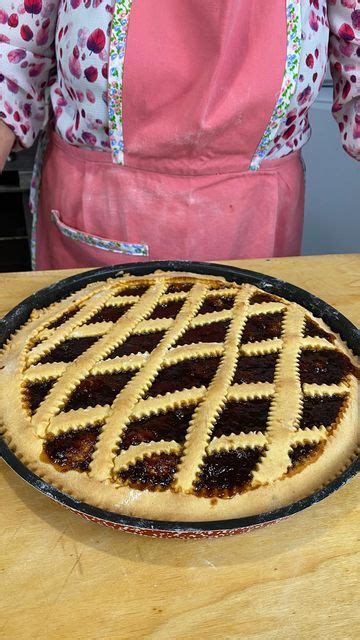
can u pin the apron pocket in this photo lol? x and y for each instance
(98, 242)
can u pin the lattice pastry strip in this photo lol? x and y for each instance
(56, 369)
(319, 390)
(240, 441)
(151, 325)
(285, 410)
(79, 418)
(141, 451)
(199, 432)
(159, 324)
(102, 463)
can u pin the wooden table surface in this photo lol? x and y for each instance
(64, 577)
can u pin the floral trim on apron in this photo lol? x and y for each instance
(288, 88)
(119, 31)
(116, 246)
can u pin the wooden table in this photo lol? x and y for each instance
(67, 578)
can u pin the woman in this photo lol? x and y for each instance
(175, 126)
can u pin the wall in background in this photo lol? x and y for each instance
(14, 211)
(332, 207)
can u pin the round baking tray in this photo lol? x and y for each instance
(337, 322)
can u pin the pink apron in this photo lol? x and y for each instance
(197, 97)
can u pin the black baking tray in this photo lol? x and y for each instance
(336, 321)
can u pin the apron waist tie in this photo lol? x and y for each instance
(105, 157)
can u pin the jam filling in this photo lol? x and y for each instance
(262, 297)
(302, 453)
(72, 450)
(98, 389)
(138, 343)
(184, 375)
(242, 417)
(153, 472)
(215, 303)
(62, 319)
(36, 392)
(68, 350)
(324, 366)
(262, 327)
(227, 472)
(172, 425)
(109, 314)
(321, 411)
(214, 332)
(255, 368)
(167, 310)
(179, 287)
(133, 291)
(312, 330)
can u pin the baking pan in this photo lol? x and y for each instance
(337, 322)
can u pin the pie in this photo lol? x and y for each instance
(177, 396)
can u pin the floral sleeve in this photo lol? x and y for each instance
(345, 68)
(26, 60)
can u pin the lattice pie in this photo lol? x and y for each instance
(177, 396)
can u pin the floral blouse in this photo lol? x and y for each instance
(75, 49)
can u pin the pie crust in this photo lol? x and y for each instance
(247, 441)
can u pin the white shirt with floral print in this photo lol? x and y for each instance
(77, 48)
